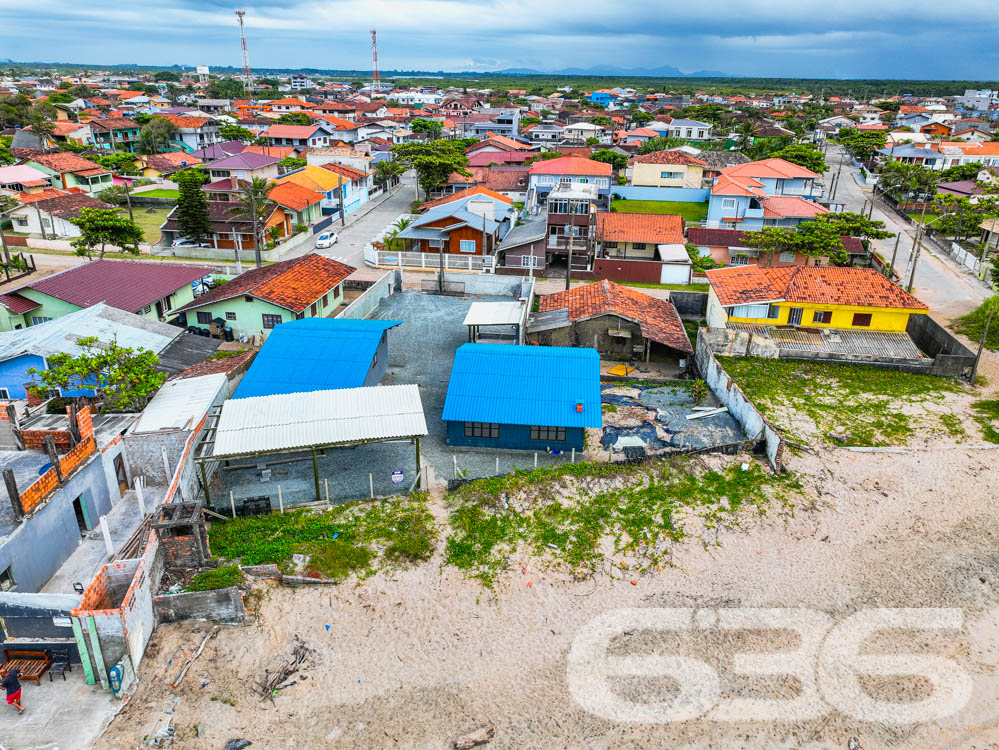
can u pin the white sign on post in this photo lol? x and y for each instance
(397, 476)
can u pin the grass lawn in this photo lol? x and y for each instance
(930, 219)
(861, 405)
(689, 211)
(972, 325)
(159, 193)
(150, 219)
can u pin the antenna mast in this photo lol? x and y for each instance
(376, 81)
(247, 75)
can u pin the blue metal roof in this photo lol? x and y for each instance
(314, 354)
(524, 385)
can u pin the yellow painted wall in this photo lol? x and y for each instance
(882, 319)
(650, 175)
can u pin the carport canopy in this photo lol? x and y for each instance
(302, 422)
(493, 314)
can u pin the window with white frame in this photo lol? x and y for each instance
(21, 221)
(436, 243)
(671, 175)
(741, 259)
(728, 202)
(37, 319)
(751, 311)
(467, 246)
(529, 261)
(787, 257)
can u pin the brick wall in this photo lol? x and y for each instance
(33, 495)
(34, 440)
(95, 596)
(180, 551)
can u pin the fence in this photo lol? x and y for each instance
(638, 193)
(366, 304)
(428, 261)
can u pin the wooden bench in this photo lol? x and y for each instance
(32, 664)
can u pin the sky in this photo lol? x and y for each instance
(918, 39)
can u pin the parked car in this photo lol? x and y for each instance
(327, 239)
(184, 242)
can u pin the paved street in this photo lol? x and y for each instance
(947, 288)
(359, 231)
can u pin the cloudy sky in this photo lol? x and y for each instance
(801, 38)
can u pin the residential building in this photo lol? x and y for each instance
(715, 161)
(218, 151)
(812, 296)
(50, 217)
(245, 166)
(260, 299)
(617, 321)
(300, 204)
(465, 225)
(603, 97)
(289, 104)
(497, 121)
(641, 248)
(580, 132)
(346, 156)
(727, 247)
(150, 290)
(164, 165)
(194, 132)
(68, 170)
(666, 169)
(570, 218)
(299, 136)
(355, 186)
(771, 192)
(115, 133)
(565, 401)
(21, 178)
(326, 183)
(545, 134)
(568, 170)
(232, 229)
(691, 130)
(526, 244)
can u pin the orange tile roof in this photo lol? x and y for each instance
(186, 121)
(474, 190)
(292, 284)
(290, 100)
(571, 165)
(279, 152)
(659, 229)
(726, 185)
(656, 317)
(289, 131)
(822, 285)
(293, 196)
(44, 195)
(349, 172)
(791, 206)
(772, 168)
(65, 162)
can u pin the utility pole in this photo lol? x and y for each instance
(128, 199)
(894, 253)
(41, 226)
(917, 245)
(981, 345)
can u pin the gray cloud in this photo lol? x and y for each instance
(838, 38)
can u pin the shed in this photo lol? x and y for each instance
(522, 397)
(504, 319)
(319, 354)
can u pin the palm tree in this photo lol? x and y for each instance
(253, 201)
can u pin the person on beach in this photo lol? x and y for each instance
(13, 687)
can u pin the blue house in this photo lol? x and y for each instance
(522, 397)
(319, 354)
(768, 193)
(603, 96)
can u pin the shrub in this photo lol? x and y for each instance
(217, 578)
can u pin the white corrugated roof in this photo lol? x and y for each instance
(494, 313)
(293, 421)
(180, 404)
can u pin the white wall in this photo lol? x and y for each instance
(716, 316)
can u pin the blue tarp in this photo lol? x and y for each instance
(314, 354)
(524, 385)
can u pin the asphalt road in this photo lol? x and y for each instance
(941, 283)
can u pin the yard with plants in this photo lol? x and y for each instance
(845, 404)
(972, 325)
(150, 220)
(625, 518)
(159, 193)
(688, 210)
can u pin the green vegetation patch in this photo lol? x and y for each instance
(972, 325)
(354, 537)
(149, 221)
(689, 210)
(158, 193)
(580, 515)
(862, 405)
(987, 416)
(217, 578)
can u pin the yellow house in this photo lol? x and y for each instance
(809, 297)
(318, 180)
(666, 169)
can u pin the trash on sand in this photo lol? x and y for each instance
(620, 370)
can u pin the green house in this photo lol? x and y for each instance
(259, 300)
(69, 170)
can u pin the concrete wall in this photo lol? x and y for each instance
(220, 605)
(108, 455)
(950, 356)
(43, 541)
(486, 284)
(363, 306)
(32, 620)
(753, 423)
(137, 614)
(731, 342)
(145, 454)
(692, 304)
(687, 195)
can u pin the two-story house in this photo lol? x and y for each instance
(666, 169)
(115, 133)
(771, 192)
(570, 220)
(472, 224)
(545, 134)
(299, 136)
(289, 104)
(567, 170)
(245, 166)
(68, 170)
(691, 130)
(194, 132)
(604, 97)
(498, 121)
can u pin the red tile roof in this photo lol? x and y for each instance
(171, 161)
(17, 304)
(127, 285)
(293, 196)
(656, 317)
(292, 284)
(186, 121)
(717, 237)
(226, 365)
(68, 206)
(571, 165)
(772, 168)
(349, 173)
(44, 195)
(667, 157)
(475, 190)
(659, 229)
(65, 162)
(113, 123)
(791, 206)
(822, 285)
(290, 131)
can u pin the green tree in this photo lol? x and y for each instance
(81, 91)
(961, 172)
(817, 239)
(224, 88)
(120, 163)
(591, 142)
(253, 202)
(6, 157)
(602, 121)
(15, 111)
(640, 117)
(100, 227)
(155, 136)
(192, 204)
(42, 127)
(434, 161)
(291, 163)
(850, 224)
(863, 143)
(235, 133)
(387, 172)
(294, 118)
(616, 160)
(166, 75)
(660, 143)
(803, 155)
(124, 378)
(433, 128)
